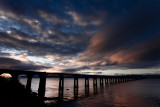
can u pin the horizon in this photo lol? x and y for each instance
(93, 37)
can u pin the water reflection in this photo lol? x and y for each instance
(87, 91)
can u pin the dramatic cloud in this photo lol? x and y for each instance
(37, 48)
(9, 63)
(74, 70)
(82, 20)
(80, 36)
(142, 52)
(132, 38)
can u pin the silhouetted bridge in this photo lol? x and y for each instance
(61, 76)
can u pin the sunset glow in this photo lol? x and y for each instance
(86, 37)
(5, 75)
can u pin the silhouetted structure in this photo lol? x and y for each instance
(61, 76)
(14, 94)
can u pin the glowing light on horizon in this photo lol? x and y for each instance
(5, 75)
(3, 17)
(9, 32)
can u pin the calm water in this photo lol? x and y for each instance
(141, 93)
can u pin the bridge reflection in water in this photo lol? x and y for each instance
(42, 83)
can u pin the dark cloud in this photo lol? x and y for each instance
(131, 38)
(39, 36)
(45, 27)
(140, 65)
(4, 54)
(9, 63)
(95, 73)
(37, 48)
(148, 50)
(74, 70)
(56, 11)
(22, 7)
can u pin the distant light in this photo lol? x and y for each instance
(32, 40)
(50, 32)
(9, 32)
(3, 17)
(12, 54)
(5, 75)
(36, 21)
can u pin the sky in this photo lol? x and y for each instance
(101, 37)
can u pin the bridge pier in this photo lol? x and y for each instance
(76, 87)
(106, 81)
(87, 86)
(42, 85)
(109, 80)
(94, 82)
(115, 80)
(61, 87)
(112, 80)
(95, 85)
(87, 91)
(123, 80)
(126, 79)
(101, 81)
(86, 82)
(118, 80)
(29, 81)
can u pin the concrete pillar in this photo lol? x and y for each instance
(86, 82)
(109, 80)
(118, 80)
(101, 81)
(42, 85)
(95, 82)
(112, 79)
(105, 80)
(61, 87)
(124, 80)
(76, 82)
(29, 81)
(95, 90)
(86, 86)
(75, 87)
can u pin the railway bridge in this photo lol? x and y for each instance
(103, 79)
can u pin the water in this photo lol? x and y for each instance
(141, 93)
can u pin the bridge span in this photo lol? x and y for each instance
(104, 79)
